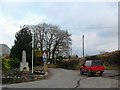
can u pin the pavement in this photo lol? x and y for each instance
(113, 74)
(62, 78)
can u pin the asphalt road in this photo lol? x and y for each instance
(61, 78)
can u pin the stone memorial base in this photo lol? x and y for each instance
(24, 66)
(38, 69)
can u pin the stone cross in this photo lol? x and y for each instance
(23, 56)
(24, 64)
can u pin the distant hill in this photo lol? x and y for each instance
(107, 57)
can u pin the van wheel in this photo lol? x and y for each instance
(101, 74)
(81, 72)
(88, 74)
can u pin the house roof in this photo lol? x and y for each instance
(4, 45)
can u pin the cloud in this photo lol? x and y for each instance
(9, 26)
(93, 44)
(32, 18)
(97, 21)
(89, 41)
(59, 1)
(83, 17)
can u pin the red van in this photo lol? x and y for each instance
(92, 67)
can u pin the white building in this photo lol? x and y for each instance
(4, 50)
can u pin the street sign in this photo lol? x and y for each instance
(44, 57)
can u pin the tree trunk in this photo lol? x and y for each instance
(54, 49)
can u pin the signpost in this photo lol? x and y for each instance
(83, 45)
(44, 57)
(32, 49)
(44, 60)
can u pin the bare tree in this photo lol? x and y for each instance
(51, 38)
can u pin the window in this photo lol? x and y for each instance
(96, 63)
(88, 63)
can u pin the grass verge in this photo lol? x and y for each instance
(112, 67)
(51, 66)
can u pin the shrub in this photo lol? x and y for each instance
(10, 63)
(71, 64)
(5, 64)
(59, 61)
(14, 63)
(51, 66)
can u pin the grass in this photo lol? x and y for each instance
(112, 67)
(51, 66)
(77, 67)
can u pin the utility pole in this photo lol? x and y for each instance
(32, 49)
(83, 44)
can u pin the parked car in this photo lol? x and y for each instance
(92, 67)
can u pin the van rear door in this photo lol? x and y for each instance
(97, 65)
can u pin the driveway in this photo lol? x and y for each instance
(61, 78)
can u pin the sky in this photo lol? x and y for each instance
(97, 21)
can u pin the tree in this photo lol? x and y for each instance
(47, 37)
(51, 38)
(22, 42)
(38, 58)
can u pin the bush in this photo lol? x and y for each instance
(59, 61)
(14, 63)
(10, 63)
(72, 64)
(51, 66)
(5, 64)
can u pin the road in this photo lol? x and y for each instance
(61, 78)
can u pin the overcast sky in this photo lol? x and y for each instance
(98, 21)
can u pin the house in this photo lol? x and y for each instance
(4, 50)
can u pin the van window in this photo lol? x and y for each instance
(88, 63)
(96, 63)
